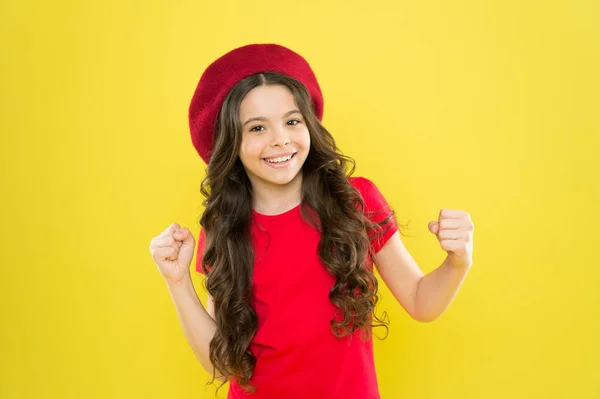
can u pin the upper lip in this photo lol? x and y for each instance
(280, 155)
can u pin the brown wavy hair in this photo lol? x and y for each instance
(329, 203)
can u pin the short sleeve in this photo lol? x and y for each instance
(200, 251)
(376, 209)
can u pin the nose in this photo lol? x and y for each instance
(280, 137)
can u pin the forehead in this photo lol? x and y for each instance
(267, 101)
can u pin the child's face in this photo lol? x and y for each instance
(279, 133)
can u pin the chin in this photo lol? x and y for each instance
(281, 180)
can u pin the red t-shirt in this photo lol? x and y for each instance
(297, 355)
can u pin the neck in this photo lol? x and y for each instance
(273, 199)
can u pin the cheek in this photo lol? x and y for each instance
(305, 140)
(250, 148)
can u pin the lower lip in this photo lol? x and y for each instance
(280, 164)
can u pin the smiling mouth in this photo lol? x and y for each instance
(279, 160)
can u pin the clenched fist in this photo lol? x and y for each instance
(454, 230)
(172, 251)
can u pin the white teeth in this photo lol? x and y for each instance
(280, 159)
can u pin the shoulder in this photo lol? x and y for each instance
(377, 209)
(374, 199)
(365, 187)
(360, 183)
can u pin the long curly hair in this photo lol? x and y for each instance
(329, 203)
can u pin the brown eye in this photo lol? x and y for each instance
(294, 120)
(255, 127)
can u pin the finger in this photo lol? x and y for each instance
(164, 253)
(450, 224)
(186, 236)
(181, 234)
(451, 214)
(168, 241)
(180, 238)
(450, 235)
(169, 231)
(433, 227)
(172, 228)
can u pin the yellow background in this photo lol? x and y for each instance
(489, 107)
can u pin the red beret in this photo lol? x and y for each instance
(228, 70)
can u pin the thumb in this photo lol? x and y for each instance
(434, 227)
(185, 236)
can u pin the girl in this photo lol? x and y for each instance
(288, 240)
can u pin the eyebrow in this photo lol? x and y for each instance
(262, 118)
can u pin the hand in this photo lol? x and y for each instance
(454, 230)
(172, 251)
